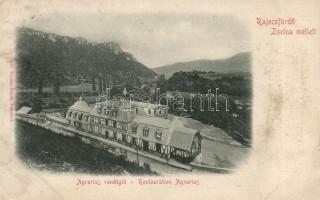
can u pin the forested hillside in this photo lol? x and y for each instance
(239, 63)
(46, 59)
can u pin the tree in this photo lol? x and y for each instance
(162, 84)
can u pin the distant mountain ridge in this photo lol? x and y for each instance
(240, 62)
(48, 59)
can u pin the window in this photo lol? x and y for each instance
(149, 111)
(103, 121)
(158, 134)
(75, 115)
(96, 129)
(80, 116)
(119, 125)
(124, 126)
(114, 124)
(134, 128)
(103, 131)
(145, 131)
(86, 117)
(96, 120)
(70, 113)
(110, 122)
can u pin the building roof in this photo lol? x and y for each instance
(173, 131)
(60, 119)
(24, 110)
(182, 138)
(81, 106)
(152, 121)
(141, 104)
(173, 134)
(114, 114)
(165, 134)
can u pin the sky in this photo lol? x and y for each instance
(155, 39)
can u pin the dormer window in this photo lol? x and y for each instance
(70, 113)
(145, 131)
(158, 134)
(80, 116)
(134, 128)
(114, 113)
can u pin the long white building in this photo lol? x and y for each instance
(145, 127)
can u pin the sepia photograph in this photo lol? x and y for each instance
(124, 99)
(133, 94)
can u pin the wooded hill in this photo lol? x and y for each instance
(47, 59)
(239, 63)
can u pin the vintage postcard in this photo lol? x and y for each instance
(160, 100)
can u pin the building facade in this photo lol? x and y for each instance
(147, 128)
